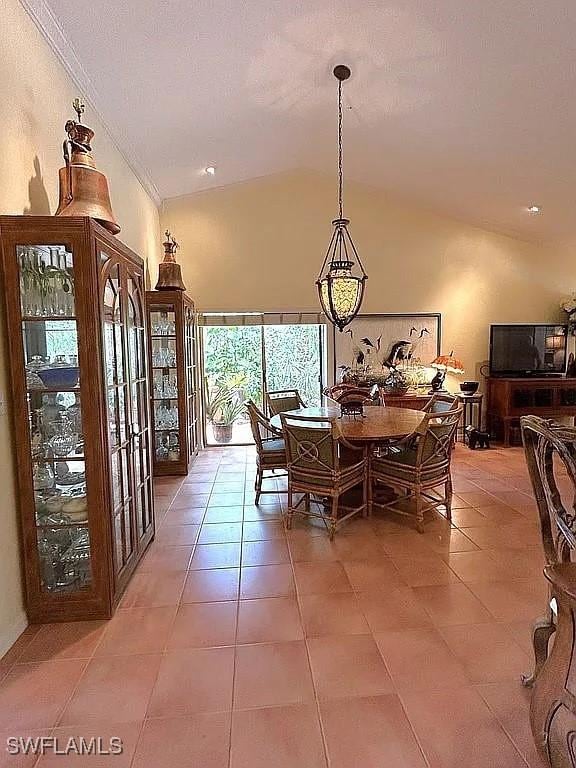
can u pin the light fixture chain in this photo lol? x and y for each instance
(340, 172)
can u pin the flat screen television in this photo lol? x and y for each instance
(528, 350)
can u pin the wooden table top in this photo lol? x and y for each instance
(378, 422)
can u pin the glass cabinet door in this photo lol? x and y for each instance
(54, 407)
(127, 397)
(165, 382)
(116, 398)
(140, 429)
(191, 374)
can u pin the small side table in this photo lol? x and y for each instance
(471, 413)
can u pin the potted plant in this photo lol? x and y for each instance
(224, 405)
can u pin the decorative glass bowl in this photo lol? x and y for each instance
(60, 377)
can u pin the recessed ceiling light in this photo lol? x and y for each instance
(210, 170)
(534, 209)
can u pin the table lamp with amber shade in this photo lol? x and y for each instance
(443, 365)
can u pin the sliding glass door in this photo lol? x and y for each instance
(233, 373)
(293, 359)
(249, 355)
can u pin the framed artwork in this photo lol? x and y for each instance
(378, 341)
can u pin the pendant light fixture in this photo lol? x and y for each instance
(339, 289)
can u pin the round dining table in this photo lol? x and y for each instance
(377, 424)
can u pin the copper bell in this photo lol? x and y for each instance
(83, 189)
(169, 273)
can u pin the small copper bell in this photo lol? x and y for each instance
(83, 189)
(170, 273)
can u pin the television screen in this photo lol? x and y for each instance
(525, 350)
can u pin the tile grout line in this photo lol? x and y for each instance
(234, 659)
(316, 699)
(168, 634)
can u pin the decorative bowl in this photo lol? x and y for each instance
(65, 377)
(469, 387)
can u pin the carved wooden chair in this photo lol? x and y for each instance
(318, 470)
(542, 441)
(270, 448)
(418, 466)
(284, 400)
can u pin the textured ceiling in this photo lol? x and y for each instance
(465, 107)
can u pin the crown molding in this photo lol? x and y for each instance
(50, 29)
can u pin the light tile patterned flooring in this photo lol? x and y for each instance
(239, 645)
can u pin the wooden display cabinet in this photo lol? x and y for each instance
(75, 303)
(173, 380)
(511, 398)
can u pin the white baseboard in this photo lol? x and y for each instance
(9, 635)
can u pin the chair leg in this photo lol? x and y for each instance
(258, 484)
(448, 501)
(333, 518)
(367, 494)
(307, 502)
(419, 510)
(542, 631)
(289, 513)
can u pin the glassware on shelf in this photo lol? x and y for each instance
(168, 447)
(165, 418)
(74, 414)
(64, 556)
(162, 449)
(33, 381)
(46, 281)
(165, 387)
(36, 363)
(48, 415)
(173, 447)
(43, 476)
(163, 357)
(65, 439)
(163, 324)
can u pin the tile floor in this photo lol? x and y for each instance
(239, 645)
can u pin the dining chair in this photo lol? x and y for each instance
(360, 395)
(284, 400)
(318, 469)
(441, 402)
(417, 467)
(336, 390)
(270, 448)
(552, 483)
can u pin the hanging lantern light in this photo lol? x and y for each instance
(339, 289)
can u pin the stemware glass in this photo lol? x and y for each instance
(43, 476)
(65, 439)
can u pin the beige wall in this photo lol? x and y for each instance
(35, 101)
(259, 246)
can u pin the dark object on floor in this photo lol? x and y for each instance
(477, 438)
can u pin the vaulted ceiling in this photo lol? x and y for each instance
(465, 107)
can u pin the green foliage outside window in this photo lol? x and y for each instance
(292, 358)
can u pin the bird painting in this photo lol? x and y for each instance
(405, 343)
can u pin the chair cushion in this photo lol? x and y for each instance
(403, 456)
(273, 446)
